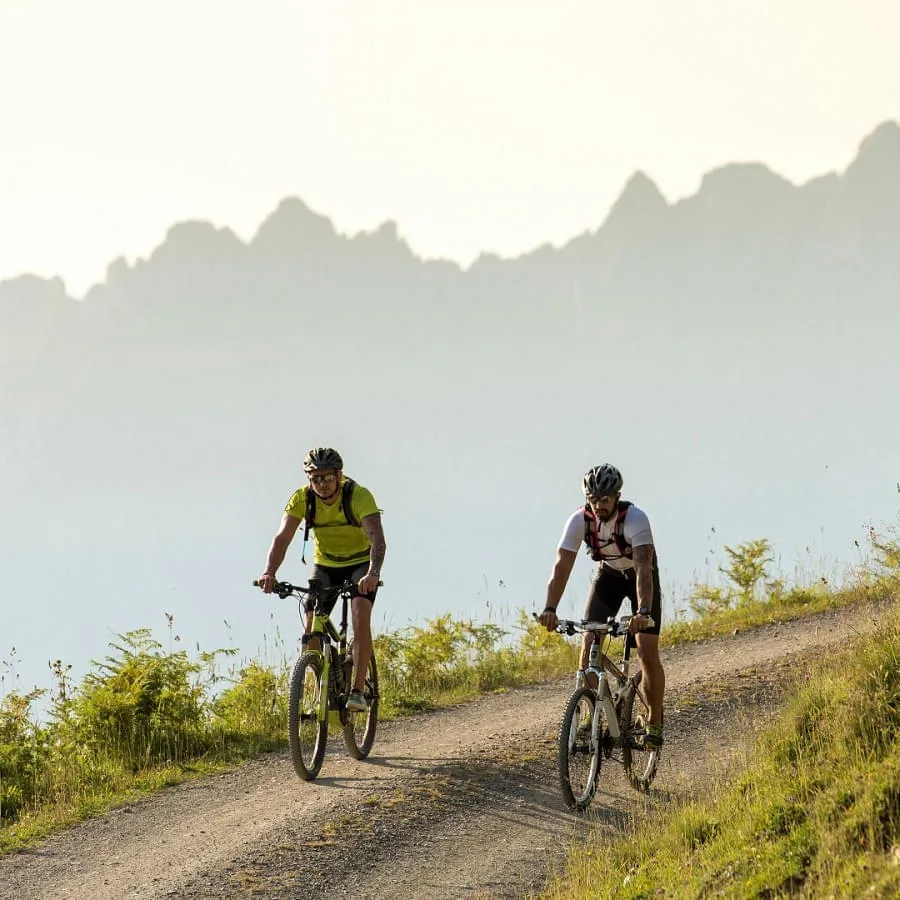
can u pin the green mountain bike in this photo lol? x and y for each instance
(322, 679)
(600, 722)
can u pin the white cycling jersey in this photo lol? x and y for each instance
(635, 530)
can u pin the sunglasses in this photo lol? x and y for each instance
(601, 499)
(322, 479)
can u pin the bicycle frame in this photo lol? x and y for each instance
(614, 722)
(604, 671)
(608, 705)
(321, 681)
(329, 636)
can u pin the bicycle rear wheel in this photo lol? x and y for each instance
(640, 763)
(306, 734)
(579, 758)
(359, 729)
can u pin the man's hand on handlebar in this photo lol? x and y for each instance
(368, 583)
(548, 619)
(640, 620)
(266, 582)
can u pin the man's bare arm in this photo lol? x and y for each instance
(562, 569)
(375, 533)
(643, 567)
(281, 542)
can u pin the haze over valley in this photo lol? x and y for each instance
(734, 353)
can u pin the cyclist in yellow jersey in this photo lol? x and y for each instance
(349, 543)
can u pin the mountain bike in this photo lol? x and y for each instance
(322, 679)
(599, 722)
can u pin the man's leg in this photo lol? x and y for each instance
(361, 616)
(324, 575)
(605, 596)
(654, 677)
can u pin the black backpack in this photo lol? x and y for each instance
(309, 517)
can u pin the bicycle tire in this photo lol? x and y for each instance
(640, 764)
(359, 729)
(307, 736)
(579, 761)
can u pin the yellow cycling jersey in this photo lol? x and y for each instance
(336, 541)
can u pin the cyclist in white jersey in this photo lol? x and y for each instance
(617, 535)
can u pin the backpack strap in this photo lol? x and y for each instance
(591, 532)
(347, 502)
(309, 517)
(619, 530)
(591, 539)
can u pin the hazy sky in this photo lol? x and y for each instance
(493, 125)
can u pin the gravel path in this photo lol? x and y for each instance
(462, 803)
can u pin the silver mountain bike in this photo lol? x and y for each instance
(606, 722)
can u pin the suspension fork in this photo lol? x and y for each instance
(604, 700)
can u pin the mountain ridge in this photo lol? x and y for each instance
(294, 226)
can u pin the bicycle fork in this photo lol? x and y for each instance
(604, 702)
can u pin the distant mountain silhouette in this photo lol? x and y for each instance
(734, 352)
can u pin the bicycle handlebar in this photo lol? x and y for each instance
(612, 626)
(285, 589)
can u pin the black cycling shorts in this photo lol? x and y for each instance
(330, 576)
(610, 587)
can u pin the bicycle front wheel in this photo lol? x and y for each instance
(640, 762)
(579, 757)
(307, 734)
(359, 729)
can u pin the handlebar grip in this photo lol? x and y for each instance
(255, 582)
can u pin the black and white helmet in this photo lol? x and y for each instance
(600, 480)
(322, 458)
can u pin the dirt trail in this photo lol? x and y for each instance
(459, 803)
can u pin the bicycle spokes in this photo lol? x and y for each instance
(640, 762)
(307, 728)
(579, 756)
(359, 730)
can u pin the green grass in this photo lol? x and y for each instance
(784, 606)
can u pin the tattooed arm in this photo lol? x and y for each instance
(643, 566)
(375, 533)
